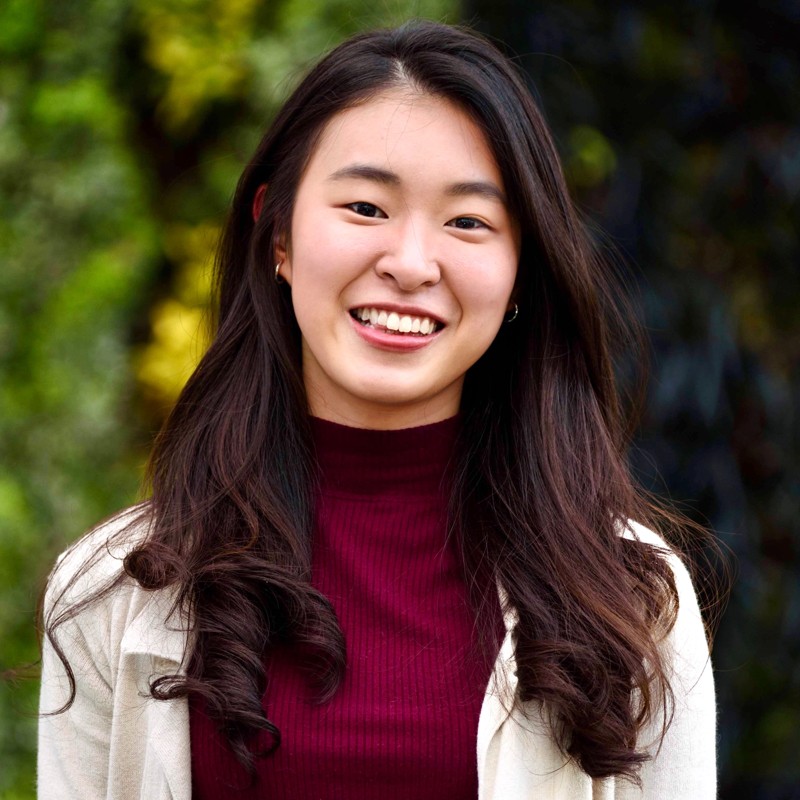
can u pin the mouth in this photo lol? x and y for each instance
(393, 322)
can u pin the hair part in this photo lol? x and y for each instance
(541, 490)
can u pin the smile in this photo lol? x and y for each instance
(392, 322)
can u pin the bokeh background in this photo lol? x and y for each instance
(123, 127)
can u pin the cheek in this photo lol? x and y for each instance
(329, 256)
(485, 289)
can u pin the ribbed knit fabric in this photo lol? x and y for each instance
(404, 722)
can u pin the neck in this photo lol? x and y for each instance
(384, 416)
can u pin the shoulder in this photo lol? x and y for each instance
(640, 533)
(95, 560)
(94, 612)
(686, 643)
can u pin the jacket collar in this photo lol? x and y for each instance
(159, 629)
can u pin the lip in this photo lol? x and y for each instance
(393, 342)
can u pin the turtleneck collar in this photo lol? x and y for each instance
(409, 461)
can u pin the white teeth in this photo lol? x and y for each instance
(392, 321)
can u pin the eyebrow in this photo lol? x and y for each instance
(367, 172)
(485, 189)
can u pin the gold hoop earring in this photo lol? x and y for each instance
(278, 278)
(513, 314)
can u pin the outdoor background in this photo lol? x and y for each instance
(123, 127)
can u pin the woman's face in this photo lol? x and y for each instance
(402, 258)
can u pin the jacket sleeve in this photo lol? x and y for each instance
(73, 746)
(683, 765)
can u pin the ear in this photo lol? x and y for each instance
(513, 300)
(258, 201)
(282, 257)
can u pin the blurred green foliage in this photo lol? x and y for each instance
(123, 127)
(78, 247)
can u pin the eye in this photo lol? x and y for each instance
(467, 223)
(366, 210)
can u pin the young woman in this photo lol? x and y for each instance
(393, 548)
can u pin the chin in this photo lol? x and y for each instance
(396, 396)
(390, 397)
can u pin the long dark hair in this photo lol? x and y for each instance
(541, 490)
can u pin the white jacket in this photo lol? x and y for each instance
(117, 742)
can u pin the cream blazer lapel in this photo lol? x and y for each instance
(517, 757)
(150, 647)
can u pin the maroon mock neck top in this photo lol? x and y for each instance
(403, 724)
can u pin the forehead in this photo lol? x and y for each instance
(412, 133)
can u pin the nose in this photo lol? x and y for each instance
(409, 260)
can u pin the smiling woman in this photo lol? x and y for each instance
(393, 547)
